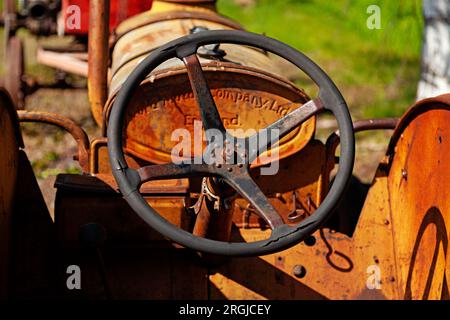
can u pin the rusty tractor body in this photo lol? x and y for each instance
(143, 226)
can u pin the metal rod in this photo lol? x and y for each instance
(98, 56)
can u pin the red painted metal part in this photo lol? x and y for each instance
(119, 11)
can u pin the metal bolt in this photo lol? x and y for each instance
(240, 165)
(230, 169)
(218, 165)
(299, 271)
(405, 174)
(310, 241)
(375, 258)
(386, 221)
(392, 279)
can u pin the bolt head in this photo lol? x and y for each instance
(405, 174)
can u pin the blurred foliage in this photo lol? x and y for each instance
(377, 70)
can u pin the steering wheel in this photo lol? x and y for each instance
(235, 175)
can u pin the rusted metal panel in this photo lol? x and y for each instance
(401, 234)
(244, 100)
(246, 85)
(133, 252)
(10, 141)
(77, 203)
(334, 266)
(400, 231)
(419, 199)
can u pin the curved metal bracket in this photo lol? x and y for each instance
(66, 124)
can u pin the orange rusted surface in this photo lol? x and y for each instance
(10, 142)
(335, 266)
(399, 249)
(296, 192)
(99, 158)
(419, 192)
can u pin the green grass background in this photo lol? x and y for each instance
(377, 70)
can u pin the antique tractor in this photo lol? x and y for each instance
(209, 182)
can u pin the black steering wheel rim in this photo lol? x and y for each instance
(283, 236)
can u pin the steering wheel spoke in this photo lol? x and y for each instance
(248, 189)
(202, 93)
(265, 138)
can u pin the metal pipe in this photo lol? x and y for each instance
(62, 61)
(68, 125)
(98, 56)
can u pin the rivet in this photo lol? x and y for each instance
(386, 221)
(405, 174)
